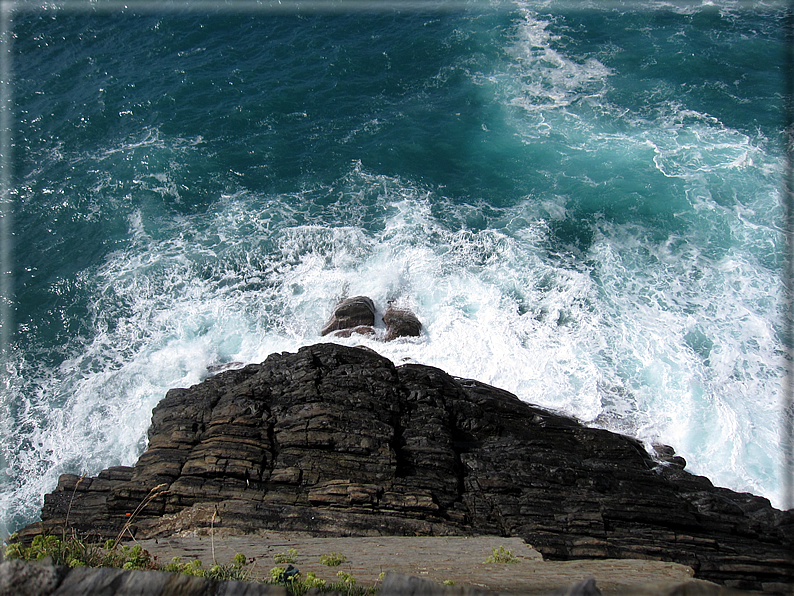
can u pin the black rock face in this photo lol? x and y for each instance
(336, 440)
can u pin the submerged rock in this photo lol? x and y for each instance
(336, 440)
(352, 314)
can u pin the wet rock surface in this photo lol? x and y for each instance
(337, 441)
(352, 315)
(357, 316)
(401, 323)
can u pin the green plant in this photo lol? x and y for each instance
(289, 557)
(74, 552)
(236, 571)
(501, 555)
(298, 586)
(312, 581)
(347, 585)
(277, 573)
(14, 550)
(189, 568)
(292, 580)
(333, 559)
(448, 582)
(135, 558)
(62, 552)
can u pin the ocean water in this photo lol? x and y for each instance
(580, 201)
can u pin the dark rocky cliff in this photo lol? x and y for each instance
(336, 440)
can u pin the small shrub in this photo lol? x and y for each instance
(299, 587)
(135, 558)
(501, 555)
(448, 582)
(74, 552)
(289, 557)
(312, 581)
(277, 573)
(333, 559)
(235, 571)
(69, 551)
(346, 578)
(290, 575)
(192, 568)
(15, 550)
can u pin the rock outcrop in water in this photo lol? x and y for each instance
(357, 315)
(401, 323)
(336, 440)
(352, 315)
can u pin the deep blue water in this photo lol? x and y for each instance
(580, 201)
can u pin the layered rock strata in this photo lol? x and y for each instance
(336, 440)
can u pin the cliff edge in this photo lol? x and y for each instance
(337, 441)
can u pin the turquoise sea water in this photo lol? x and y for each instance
(580, 201)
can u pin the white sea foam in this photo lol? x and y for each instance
(686, 346)
(542, 76)
(697, 352)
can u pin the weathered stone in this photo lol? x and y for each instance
(343, 493)
(395, 584)
(350, 314)
(21, 579)
(289, 475)
(407, 501)
(586, 587)
(336, 440)
(401, 322)
(25, 579)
